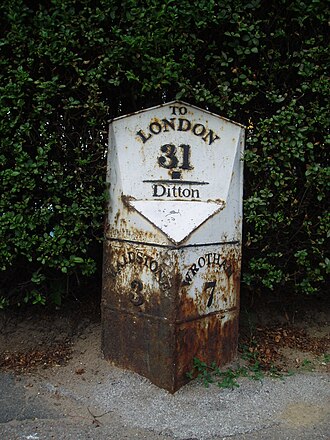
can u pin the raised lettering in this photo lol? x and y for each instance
(174, 109)
(210, 285)
(169, 160)
(139, 257)
(153, 266)
(188, 279)
(131, 257)
(207, 259)
(186, 192)
(179, 124)
(159, 190)
(198, 129)
(146, 260)
(173, 191)
(168, 123)
(201, 261)
(185, 157)
(211, 137)
(135, 295)
(143, 136)
(194, 269)
(155, 127)
(195, 194)
(208, 256)
(184, 124)
(122, 263)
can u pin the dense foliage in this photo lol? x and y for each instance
(67, 66)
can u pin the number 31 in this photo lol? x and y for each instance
(170, 158)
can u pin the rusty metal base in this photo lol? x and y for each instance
(163, 307)
(163, 351)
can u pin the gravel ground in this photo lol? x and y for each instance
(81, 396)
(125, 405)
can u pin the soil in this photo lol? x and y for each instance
(276, 334)
(289, 334)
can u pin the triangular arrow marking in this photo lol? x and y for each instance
(176, 219)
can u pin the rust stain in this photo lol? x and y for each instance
(218, 201)
(161, 307)
(122, 228)
(141, 274)
(208, 339)
(153, 326)
(126, 201)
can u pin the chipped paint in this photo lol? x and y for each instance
(172, 254)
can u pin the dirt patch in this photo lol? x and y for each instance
(287, 349)
(25, 361)
(38, 338)
(281, 335)
(287, 334)
(303, 415)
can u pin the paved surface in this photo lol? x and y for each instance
(125, 406)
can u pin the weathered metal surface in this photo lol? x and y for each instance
(175, 176)
(161, 308)
(172, 254)
(139, 274)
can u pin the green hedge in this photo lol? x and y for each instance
(67, 66)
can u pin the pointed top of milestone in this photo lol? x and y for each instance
(177, 103)
(173, 164)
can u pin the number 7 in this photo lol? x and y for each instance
(210, 285)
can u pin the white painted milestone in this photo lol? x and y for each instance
(174, 165)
